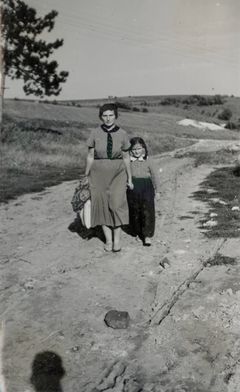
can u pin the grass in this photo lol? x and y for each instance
(221, 190)
(32, 160)
(219, 259)
(220, 157)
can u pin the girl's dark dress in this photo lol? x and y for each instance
(141, 198)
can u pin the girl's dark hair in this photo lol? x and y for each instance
(139, 140)
(108, 106)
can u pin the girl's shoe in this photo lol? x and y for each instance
(116, 248)
(147, 241)
(108, 247)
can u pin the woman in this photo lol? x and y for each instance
(108, 168)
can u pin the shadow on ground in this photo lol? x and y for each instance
(47, 372)
(77, 227)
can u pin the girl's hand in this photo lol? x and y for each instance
(130, 185)
(157, 196)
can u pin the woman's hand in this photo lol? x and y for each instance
(130, 185)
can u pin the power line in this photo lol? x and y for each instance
(124, 33)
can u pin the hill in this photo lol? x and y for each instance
(44, 143)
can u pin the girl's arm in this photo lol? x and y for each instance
(90, 160)
(126, 160)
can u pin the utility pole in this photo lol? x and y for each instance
(2, 74)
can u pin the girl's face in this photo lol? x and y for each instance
(108, 117)
(137, 150)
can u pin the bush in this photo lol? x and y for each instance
(169, 101)
(145, 110)
(218, 100)
(225, 115)
(231, 125)
(123, 105)
(135, 109)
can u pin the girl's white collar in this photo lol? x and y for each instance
(132, 159)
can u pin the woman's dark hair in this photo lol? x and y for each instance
(108, 106)
(139, 140)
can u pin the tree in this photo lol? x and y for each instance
(225, 115)
(25, 55)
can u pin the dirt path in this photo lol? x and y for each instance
(57, 287)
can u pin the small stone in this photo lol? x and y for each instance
(210, 223)
(117, 319)
(198, 312)
(4, 260)
(62, 270)
(29, 285)
(213, 214)
(75, 349)
(222, 202)
(180, 252)
(165, 263)
(132, 385)
(211, 191)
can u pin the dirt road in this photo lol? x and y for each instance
(57, 287)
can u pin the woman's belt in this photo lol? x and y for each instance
(107, 159)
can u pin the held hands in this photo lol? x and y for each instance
(130, 185)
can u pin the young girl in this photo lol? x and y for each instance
(141, 199)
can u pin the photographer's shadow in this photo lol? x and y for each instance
(47, 372)
(77, 227)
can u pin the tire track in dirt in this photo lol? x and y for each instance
(159, 314)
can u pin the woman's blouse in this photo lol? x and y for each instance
(98, 140)
(142, 168)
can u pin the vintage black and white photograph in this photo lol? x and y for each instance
(120, 196)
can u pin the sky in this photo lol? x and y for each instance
(144, 47)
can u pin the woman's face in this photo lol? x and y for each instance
(108, 117)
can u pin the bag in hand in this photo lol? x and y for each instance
(85, 214)
(81, 194)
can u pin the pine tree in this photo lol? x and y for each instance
(24, 54)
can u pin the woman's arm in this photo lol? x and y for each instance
(90, 160)
(126, 160)
(154, 175)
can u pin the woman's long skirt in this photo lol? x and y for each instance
(108, 182)
(141, 208)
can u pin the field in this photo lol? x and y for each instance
(44, 143)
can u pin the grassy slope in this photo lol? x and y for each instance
(223, 200)
(153, 104)
(35, 155)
